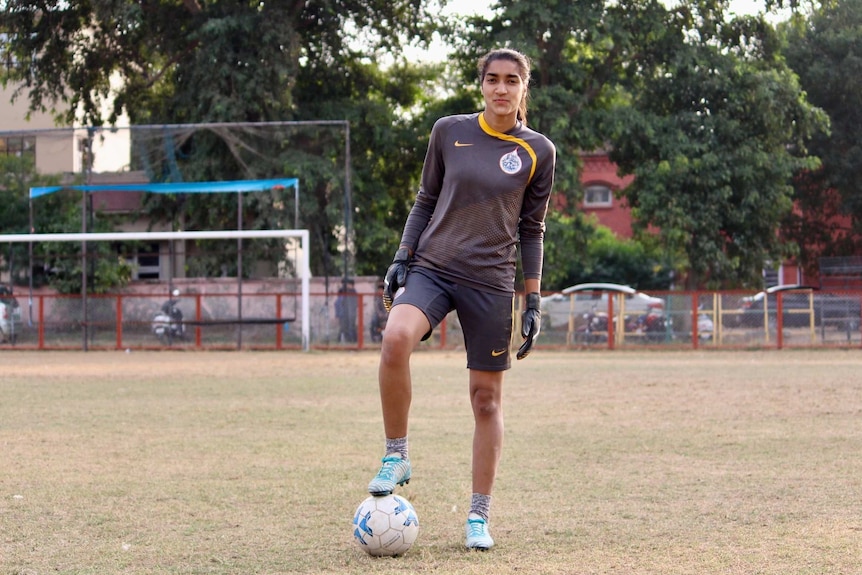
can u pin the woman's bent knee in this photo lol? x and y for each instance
(397, 343)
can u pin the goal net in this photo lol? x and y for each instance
(246, 305)
(165, 178)
(190, 164)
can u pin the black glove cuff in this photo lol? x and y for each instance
(402, 256)
(534, 301)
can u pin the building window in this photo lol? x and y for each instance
(598, 197)
(146, 262)
(20, 146)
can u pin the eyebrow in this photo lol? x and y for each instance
(495, 75)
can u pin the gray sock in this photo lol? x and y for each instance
(397, 445)
(481, 505)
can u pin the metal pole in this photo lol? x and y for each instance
(84, 271)
(85, 198)
(239, 271)
(348, 204)
(306, 273)
(296, 206)
(30, 269)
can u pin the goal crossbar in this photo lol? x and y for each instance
(302, 262)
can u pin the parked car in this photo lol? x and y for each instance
(10, 316)
(591, 299)
(800, 305)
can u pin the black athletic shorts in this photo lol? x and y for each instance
(486, 318)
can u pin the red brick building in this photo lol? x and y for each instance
(601, 182)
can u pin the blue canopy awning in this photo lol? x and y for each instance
(176, 188)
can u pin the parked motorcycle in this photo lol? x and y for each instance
(653, 326)
(593, 328)
(168, 324)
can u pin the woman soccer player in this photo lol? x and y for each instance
(485, 187)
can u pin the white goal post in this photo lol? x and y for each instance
(302, 263)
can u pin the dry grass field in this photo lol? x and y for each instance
(615, 463)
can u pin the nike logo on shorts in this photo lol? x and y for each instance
(495, 353)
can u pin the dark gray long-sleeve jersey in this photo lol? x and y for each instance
(482, 192)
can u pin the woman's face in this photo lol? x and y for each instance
(503, 89)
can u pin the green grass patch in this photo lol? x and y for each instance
(253, 462)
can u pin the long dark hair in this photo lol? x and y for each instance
(523, 63)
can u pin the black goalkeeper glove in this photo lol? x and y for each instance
(395, 277)
(531, 323)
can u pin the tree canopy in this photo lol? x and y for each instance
(189, 61)
(186, 62)
(696, 103)
(59, 262)
(701, 106)
(715, 132)
(825, 50)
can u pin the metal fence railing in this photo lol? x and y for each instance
(269, 320)
(799, 318)
(204, 321)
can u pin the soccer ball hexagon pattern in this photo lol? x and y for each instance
(385, 526)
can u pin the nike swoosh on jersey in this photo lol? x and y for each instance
(495, 353)
(461, 145)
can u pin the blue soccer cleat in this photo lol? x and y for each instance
(394, 471)
(477, 533)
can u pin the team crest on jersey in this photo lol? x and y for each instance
(511, 163)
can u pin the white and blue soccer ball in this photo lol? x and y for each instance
(385, 525)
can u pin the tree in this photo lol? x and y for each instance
(186, 61)
(59, 262)
(567, 239)
(579, 52)
(387, 148)
(578, 250)
(17, 174)
(715, 132)
(701, 109)
(239, 62)
(577, 63)
(825, 50)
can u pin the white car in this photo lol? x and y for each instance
(10, 316)
(592, 298)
